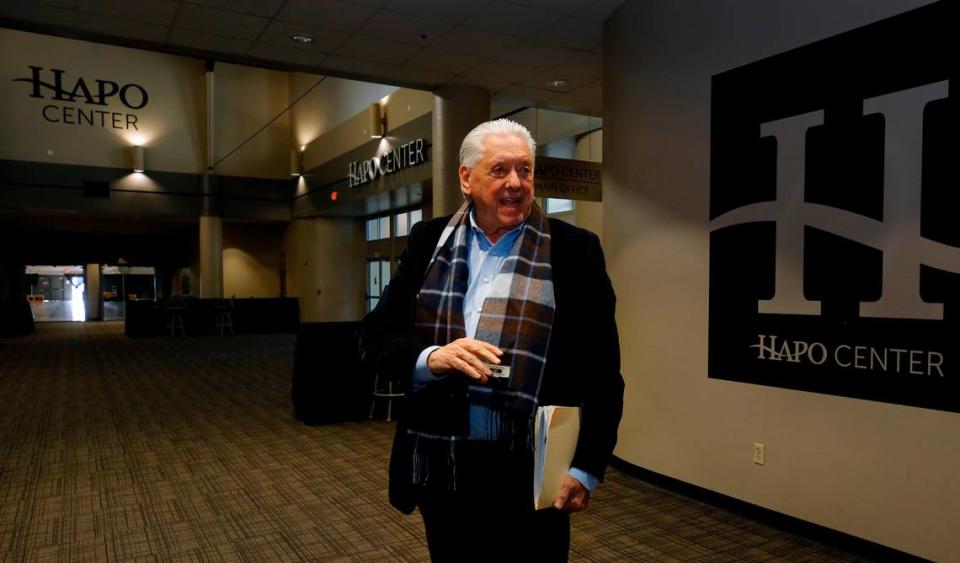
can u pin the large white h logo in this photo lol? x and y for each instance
(898, 235)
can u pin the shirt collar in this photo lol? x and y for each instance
(482, 239)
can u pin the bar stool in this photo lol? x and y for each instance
(175, 320)
(223, 319)
(389, 394)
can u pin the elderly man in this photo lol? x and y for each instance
(496, 284)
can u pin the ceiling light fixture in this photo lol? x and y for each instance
(301, 37)
(558, 83)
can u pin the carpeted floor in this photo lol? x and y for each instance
(160, 449)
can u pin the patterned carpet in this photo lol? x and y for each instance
(119, 449)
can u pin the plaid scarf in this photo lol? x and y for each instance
(517, 317)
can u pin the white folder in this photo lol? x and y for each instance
(557, 429)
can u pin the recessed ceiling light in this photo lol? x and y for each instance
(301, 37)
(559, 83)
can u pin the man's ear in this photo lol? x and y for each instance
(464, 174)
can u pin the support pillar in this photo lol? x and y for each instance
(456, 110)
(92, 294)
(211, 222)
(211, 257)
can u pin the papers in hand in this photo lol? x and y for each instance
(557, 429)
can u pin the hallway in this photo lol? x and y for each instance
(115, 449)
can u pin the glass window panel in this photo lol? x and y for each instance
(384, 273)
(415, 217)
(373, 281)
(372, 229)
(554, 205)
(371, 303)
(400, 224)
(385, 227)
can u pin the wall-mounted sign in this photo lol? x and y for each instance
(567, 179)
(391, 161)
(835, 244)
(77, 101)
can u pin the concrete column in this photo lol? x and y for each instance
(92, 295)
(211, 257)
(211, 223)
(589, 214)
(456, 110)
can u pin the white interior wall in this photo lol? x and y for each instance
(883, 472)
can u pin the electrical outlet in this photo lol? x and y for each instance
(759, 453)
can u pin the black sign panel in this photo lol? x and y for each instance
(835, 215)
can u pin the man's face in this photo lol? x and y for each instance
(500, 183)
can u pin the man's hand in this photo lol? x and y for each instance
(573, 496)
(466, 355)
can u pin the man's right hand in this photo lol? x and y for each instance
(466, 355)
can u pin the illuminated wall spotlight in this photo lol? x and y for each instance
(296, 162)
(376, 121)
(136, 156)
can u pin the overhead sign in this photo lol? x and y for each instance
(394, 160)
(834, 244)
(565, 178)
(77, 101)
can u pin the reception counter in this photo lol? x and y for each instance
(199, 316)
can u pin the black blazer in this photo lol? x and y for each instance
(583, 360)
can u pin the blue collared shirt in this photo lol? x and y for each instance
(484, 259)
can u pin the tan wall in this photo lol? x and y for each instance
(326, 256)
(879, 471)
(331, 103)
(251, 260)
(589, 214)
(171, 126)
(246, 99)
(402, 107)
(166, 126)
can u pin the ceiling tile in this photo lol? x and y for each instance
(49, 15)
(368, 3)
(159, 12)
(535, 54)
(419, 76)
(436, 59)
(373, 49)
(108, 25)
(404, 28)
(599, 10)
(511, 73)
(474, 42)
(328, 14)
(339, 65)
(576, 75)
(263, 8)
(208, 41)
(557, 6)
(594, 90)
(475, 79)
(574, 33)
(219, 22)
(61, 3)
(446, 10)
(532, 96)
(278, 33)
(511, 19)
(290, 55)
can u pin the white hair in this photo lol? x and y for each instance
(471, 150)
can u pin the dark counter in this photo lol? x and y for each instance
(250, 316)
(330, 384)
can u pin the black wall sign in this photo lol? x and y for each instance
(835, 215)
(85, 100)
